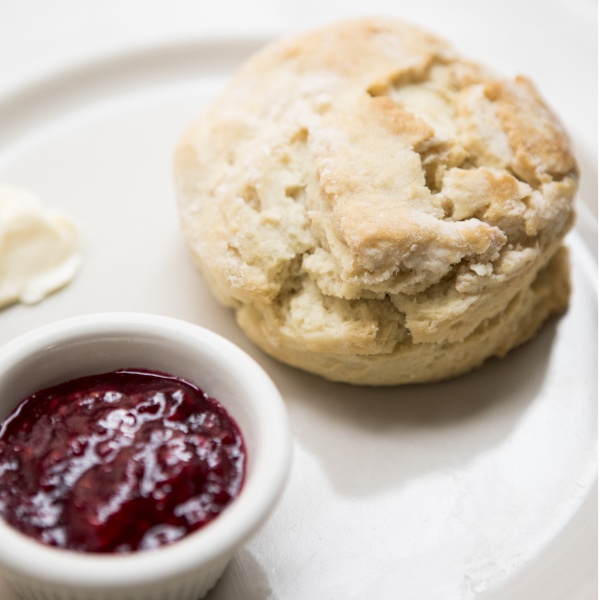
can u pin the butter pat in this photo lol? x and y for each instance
(39, 248)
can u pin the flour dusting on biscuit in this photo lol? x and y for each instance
(376, 208)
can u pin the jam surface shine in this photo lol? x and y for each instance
(118, 462)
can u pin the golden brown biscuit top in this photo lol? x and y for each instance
(374, 156)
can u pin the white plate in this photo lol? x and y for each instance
(481, 485)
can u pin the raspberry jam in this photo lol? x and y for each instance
(118, 462)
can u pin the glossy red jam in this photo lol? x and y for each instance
(118, 462)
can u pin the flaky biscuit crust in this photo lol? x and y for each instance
(376, 208)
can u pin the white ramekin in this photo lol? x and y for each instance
(188, 568)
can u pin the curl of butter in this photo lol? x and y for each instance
(39, 248)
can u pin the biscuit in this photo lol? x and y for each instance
(377, 209)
